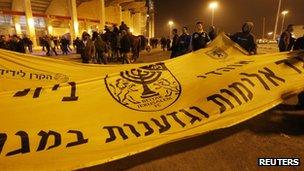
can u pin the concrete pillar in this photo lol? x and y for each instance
(49, 27)
(137, 23)
(131, 21)
(16, 20)
(30, 24)
(126, 17)
(102, 14)
(151, 26)
(119, 12)
(74, 25)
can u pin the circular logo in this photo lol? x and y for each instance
(146, 89)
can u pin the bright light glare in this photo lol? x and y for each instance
(285, 12)
(213, 5)
(170, 23)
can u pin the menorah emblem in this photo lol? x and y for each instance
(144, 78)
(148, 88)
(217, 53)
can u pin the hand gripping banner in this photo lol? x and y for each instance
(58, 115)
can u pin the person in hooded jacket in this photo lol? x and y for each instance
(88, 48)
(246, 39)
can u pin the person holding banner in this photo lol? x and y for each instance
(185, 41)
(246, 39)
(200, 39)
(299, 44)
(286, 41)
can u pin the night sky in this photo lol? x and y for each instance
(229, 17)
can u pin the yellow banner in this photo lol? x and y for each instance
(58, 115)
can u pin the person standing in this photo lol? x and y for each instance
(163, 43)
(175, 43)
(53, 46)
(168, 44)
(286, 40)
(299, 44)
(17, 44)
(125, 44)
(64, 42)
(212, 33)
(77, 44)
(200, 39)
(88, 48)
(246, 39)
(47, 45)
(100, 47)
(184, 42)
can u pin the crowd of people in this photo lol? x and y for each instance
(185, 43)
(118, 43)
(288, 43)
(50, 45)
(16, 43)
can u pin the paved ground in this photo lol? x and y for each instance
(235, 148)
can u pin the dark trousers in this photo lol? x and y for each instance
(125, 58)
(100, 57)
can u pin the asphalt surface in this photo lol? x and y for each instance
(271, 134)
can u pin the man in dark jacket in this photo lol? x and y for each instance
(175, 42)
(17, 44)
(286, 41)
(200, 39)
(125, 44)
(163, 42)
(299, 44)
(246, 39)
(184, 42)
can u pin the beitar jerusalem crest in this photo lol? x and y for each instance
(149, 88)
(217, 53)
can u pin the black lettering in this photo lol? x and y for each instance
(259, 78)
(73, 96)
(133, 130)
(37, 92)
(215, 98)
(206, 115)
(270, 75)
(236, 86)
(3, 138)
(289, 64)
(44, 139)
(148, 127)
(22, 73)
(162, 127)
(80, 139)
(244, 62)
(232, 95)
(25, 144)
(213, 72)
(174, 116)
(112, 133)
(193, 117)
(248, 81)
(55, 87)
(22, 93)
